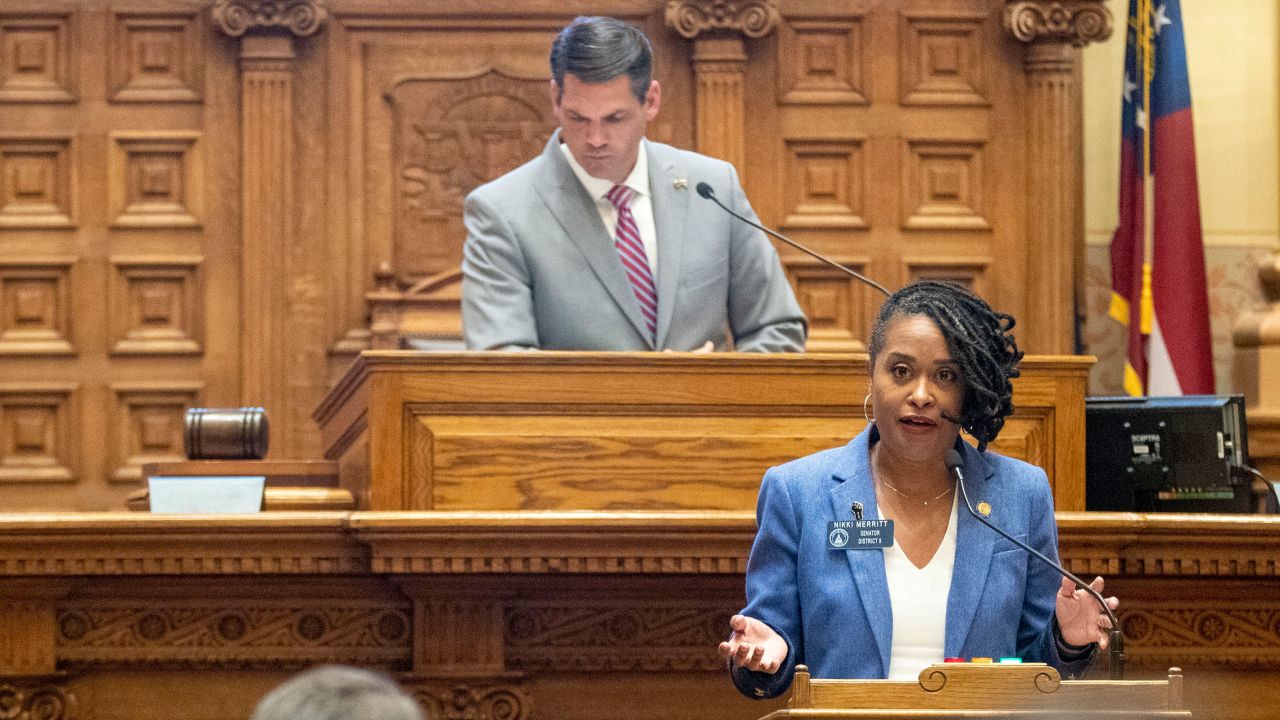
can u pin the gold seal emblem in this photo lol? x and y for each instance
(984, 509)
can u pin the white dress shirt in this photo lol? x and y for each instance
(641, 203)
(918, 597)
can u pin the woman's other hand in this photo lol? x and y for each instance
(753, 645)
(1080, 619)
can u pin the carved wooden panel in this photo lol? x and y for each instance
(654, 461)
(25, 624)
(1241, 633)
(943, 185)
(36, 698)
(36, 62)
(37, 182)
(826, 181)
(156, 57)
(458, 635)
(156, 179)
(943, 59)
(254, 633)
(824, 62)
(472, 699)
(38, 439)
(156, 305)
(453, 134)
(35, 306)
(969, 272)
(616, 636)
(834, 303)
(147, 424)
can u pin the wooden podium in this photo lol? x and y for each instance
(632, 431)
(1034, 691)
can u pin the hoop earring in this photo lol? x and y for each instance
(866, 414)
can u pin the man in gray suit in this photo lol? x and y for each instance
(599, 242)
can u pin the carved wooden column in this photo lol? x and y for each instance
(1257, 370)
(717, 28)
(1052, 31)
(30, 685)
(267, 29)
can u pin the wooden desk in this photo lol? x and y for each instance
(564, 615)
(632, 431)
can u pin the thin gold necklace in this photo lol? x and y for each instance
(939, 496)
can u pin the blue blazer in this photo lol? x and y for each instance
(832, 606)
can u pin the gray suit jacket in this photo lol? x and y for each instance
(540, 271)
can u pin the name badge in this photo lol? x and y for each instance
(859, 534)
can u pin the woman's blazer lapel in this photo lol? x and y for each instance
(853, 483)
(974, 545)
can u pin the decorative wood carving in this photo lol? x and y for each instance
(752, 18)
(1216, 632)
(477, 635)
(147, 424)
(232, 633)
(156, 305)
(454, 636)
(944, 59)
(266, 86)
(832, 302)
(1078, 22)
(719, 64)
(37, 182)
(823, 62)
(826, 184)
(156, 57)
(966, 271)
(471, 701)
(617, 636)
(35, 306)
(451, 135)
(156, 179)
(1054, 224)
(942, 185)
(38, 432)
(298, 17)
(35, 700)
(36, 61)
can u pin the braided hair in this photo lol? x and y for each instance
(979, 341)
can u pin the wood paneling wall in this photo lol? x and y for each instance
(195, 196)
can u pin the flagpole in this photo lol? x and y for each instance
(1146, 48)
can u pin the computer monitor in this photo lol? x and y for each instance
(1167, 454)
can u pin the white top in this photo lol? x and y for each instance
(641, 204)
(918, 597)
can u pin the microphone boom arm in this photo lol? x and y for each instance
(1115, 641)
(707, 192)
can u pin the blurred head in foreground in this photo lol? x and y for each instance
(334, 692)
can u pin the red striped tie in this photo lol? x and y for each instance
(634, 260)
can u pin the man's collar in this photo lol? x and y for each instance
(596, 187)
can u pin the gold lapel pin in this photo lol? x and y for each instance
(680, 183)
(984, 509)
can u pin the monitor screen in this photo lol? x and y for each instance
(1167, 454)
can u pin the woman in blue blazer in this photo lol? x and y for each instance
(941, 360)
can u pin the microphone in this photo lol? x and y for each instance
(1115, 643)
(705, 191)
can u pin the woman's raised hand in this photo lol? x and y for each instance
(1080, 619)
(753, 645)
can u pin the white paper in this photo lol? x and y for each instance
(196, 495)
